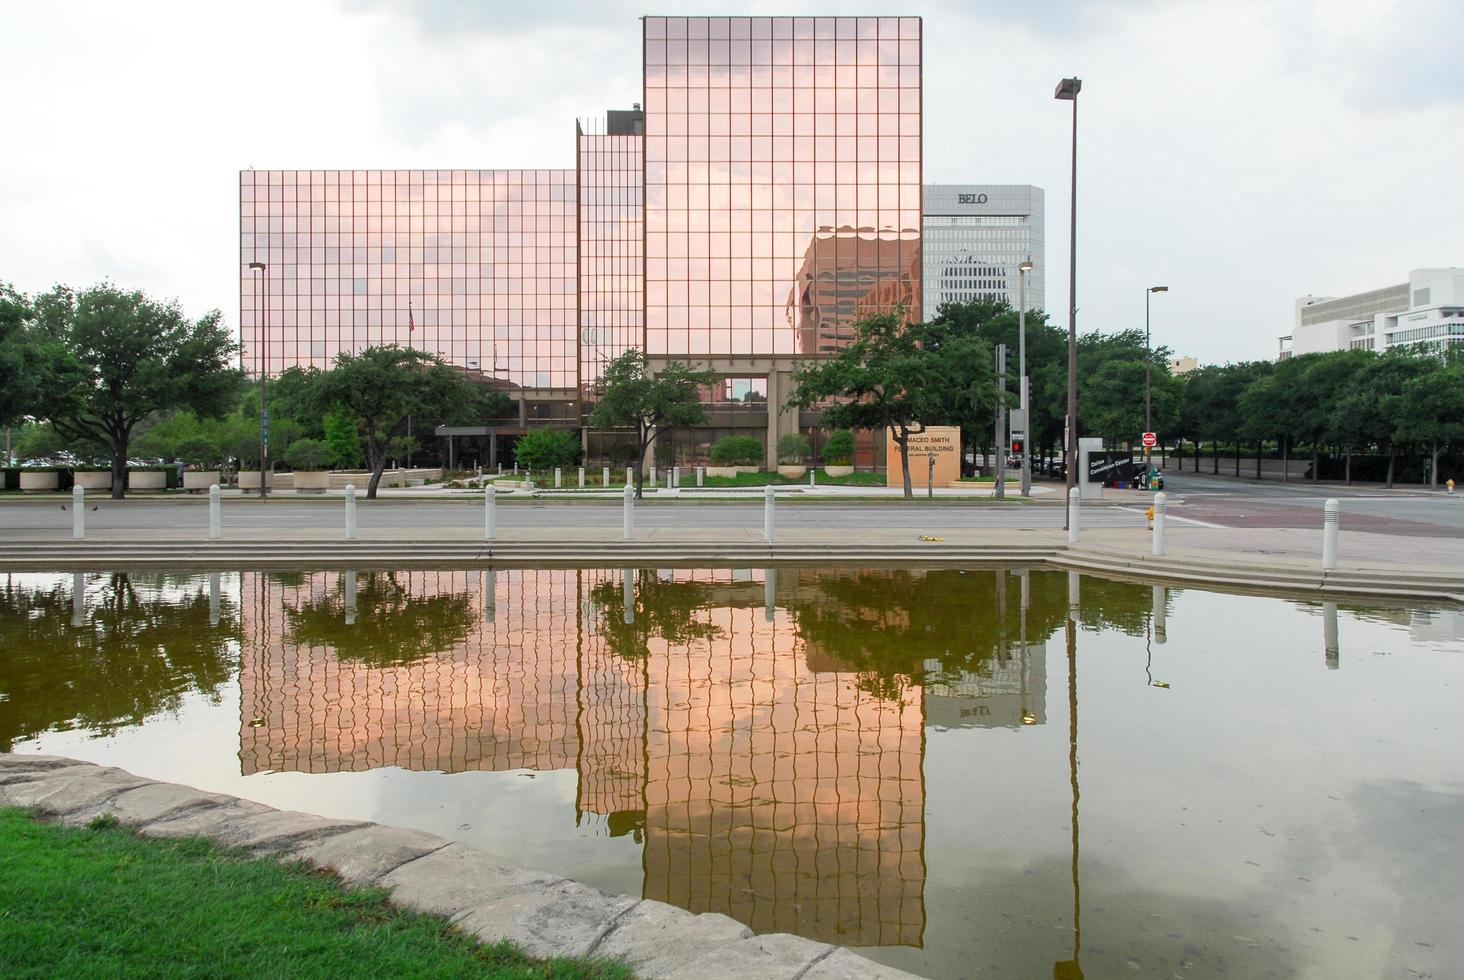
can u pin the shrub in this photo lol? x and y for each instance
(793, 448)
(199, 452)
(308, 454)
(737, 451)
(839, 449)
(544, 449)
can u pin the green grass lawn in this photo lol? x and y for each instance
(102, 902)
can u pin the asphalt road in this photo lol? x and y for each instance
(1196, 499)
(1229, 502)
(389, 513)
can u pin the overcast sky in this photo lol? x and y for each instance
(1243, 152)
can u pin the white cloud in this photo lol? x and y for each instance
(1242, 152)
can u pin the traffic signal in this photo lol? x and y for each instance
(1016, 447)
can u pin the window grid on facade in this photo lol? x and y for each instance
(478, 266)
(612, 297)
(783, 165)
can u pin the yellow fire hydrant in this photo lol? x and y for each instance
(1450, 484)
(1149, 515)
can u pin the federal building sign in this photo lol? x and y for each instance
(941, 441)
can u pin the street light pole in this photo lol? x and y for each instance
(1148, 372)
(1023, 268)
(1067, 90)
(261, 297)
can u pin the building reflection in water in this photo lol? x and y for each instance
(770, 766)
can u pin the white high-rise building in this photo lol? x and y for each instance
(975, 235)
(1427, 310)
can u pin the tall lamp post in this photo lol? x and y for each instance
(1148, 371)
(1067, 90)
(262, 298)
(1023, 268)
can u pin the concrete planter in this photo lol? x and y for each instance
(40, 481)
(249, 480)
(730, 472)
(92, 479)
(147, 480)
(200, 479)
(790, 471)
(312, 481)
(835, 471)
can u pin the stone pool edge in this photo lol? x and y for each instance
(545, 915)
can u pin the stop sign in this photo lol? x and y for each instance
(1150, 440)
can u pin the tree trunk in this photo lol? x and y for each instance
(1433, 470)
(1285, 459)
(1347, 469)
(1316, 460)
(1215, 455)
(376, 471)
(1258, 459)
(119, 474)
(1392, 453)
(903, 441)
(1237, 457)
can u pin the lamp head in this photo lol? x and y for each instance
(1025, 265)
(256, 265)
(1068, 89)
(1158, 289)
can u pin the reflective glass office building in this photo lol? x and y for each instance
(767, 196)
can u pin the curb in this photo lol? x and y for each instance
(545, 915)
(1235, 575)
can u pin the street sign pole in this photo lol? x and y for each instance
(1001, 426)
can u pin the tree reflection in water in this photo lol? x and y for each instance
(669, 609)
(389, 624)
(142, 643)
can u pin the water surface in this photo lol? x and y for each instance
(985, 773)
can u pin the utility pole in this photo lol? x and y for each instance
(1001, 421)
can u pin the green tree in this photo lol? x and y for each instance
(793, 449)
(628, 396)
(131, 357)
(1112, 400)
(383, 387)
(184, 436)
(1364, 414)
(1430, 411)
(32, 360)
(544, 449)
(344, 440)
(900, 377)
(308, 454)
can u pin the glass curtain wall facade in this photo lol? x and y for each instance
(611, 256)
(478, 266)
(783, 164)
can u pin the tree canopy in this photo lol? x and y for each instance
(629, 396)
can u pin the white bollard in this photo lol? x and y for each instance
(770, 594)
(627, 595)
(215, 513)
(629, 512)
(78, 598)
(350, 510)
(78, 512)
(768, 514)
(1160, 609)
(812, 477)
(1330, 518)
(1075, 595)
(629, 475)
(605, 477)
(701, 476)
(582, 477)
(1159, 503)
(490, 514)
(558, 478)
(652, 480)
(214, 590)
(675, 477)
(490, 594)
(1073, 516)
(1332, 652)
(350, 578)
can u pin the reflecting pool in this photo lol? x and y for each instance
(1002, 773)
